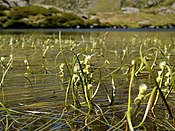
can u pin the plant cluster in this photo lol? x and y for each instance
(38, 16)
(92, 83)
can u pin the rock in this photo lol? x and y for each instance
(152, 27)
(164, 10)
(14, 3)
(170, 26)
(169, 11)
(22, 3)
(144, 23)
(130, 10)
(151, 3)
(4, 3)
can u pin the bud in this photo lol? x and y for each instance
(26, 62)
(86, 69)
(2, 59)
(124, 51)
(162, 65)
(11, 56)
(76, 67)
(158, 79)
(167, 74)
(75, 77)
(87, 58)
(133, 62)
(142, 88)
(26, 74)
(166, 83)
(61, 66)
(159, 73)
(28, 68)
(90, 86)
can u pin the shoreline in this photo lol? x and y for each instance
(56, 30)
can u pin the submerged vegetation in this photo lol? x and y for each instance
(86, 83)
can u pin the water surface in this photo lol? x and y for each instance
(45, 92)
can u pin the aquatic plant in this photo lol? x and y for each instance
(90, 87)
(5, 68)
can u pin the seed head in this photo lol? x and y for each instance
(133, 62)
(2, 59)
(87, 58)
(26, 62)
(11, 56)
(142, 88)
(166, 83)
(90, 86)
(159, 73)
(162, 65)
(158, 79)
(167, 74)
(76, 67)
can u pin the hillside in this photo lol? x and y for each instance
(103, 13)
(103, 5)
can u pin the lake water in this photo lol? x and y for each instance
(39, 97)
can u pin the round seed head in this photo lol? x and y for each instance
(124, 51)
(90, 86)
(159, 73)
(26, 74)
(167, 74)
(158, 79)
(26, 62)
(11, 56)
(76, 67)
(166, 83)
(28, 67)
(162, 65)
(62, 65)
(2, 59)
(133, 62)
(142, 88)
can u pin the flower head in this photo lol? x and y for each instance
(162, 65)
(133, 62)
(26, 62)
(87, 58)
(76, 67)
(159, 73)
(142, 88)
(2, 59)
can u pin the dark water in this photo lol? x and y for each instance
(44, 92)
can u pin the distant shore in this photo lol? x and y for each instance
(56, 30)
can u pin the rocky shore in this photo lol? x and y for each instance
(31, 14)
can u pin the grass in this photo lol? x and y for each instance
(168, 3)
(105, 7)
(101, 14)
(89, 86)
(132, 20)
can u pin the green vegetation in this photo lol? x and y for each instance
(168, 2)
(105, 6)
(37, 16)
(101, 15)
(2, 8)
(24, 12)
